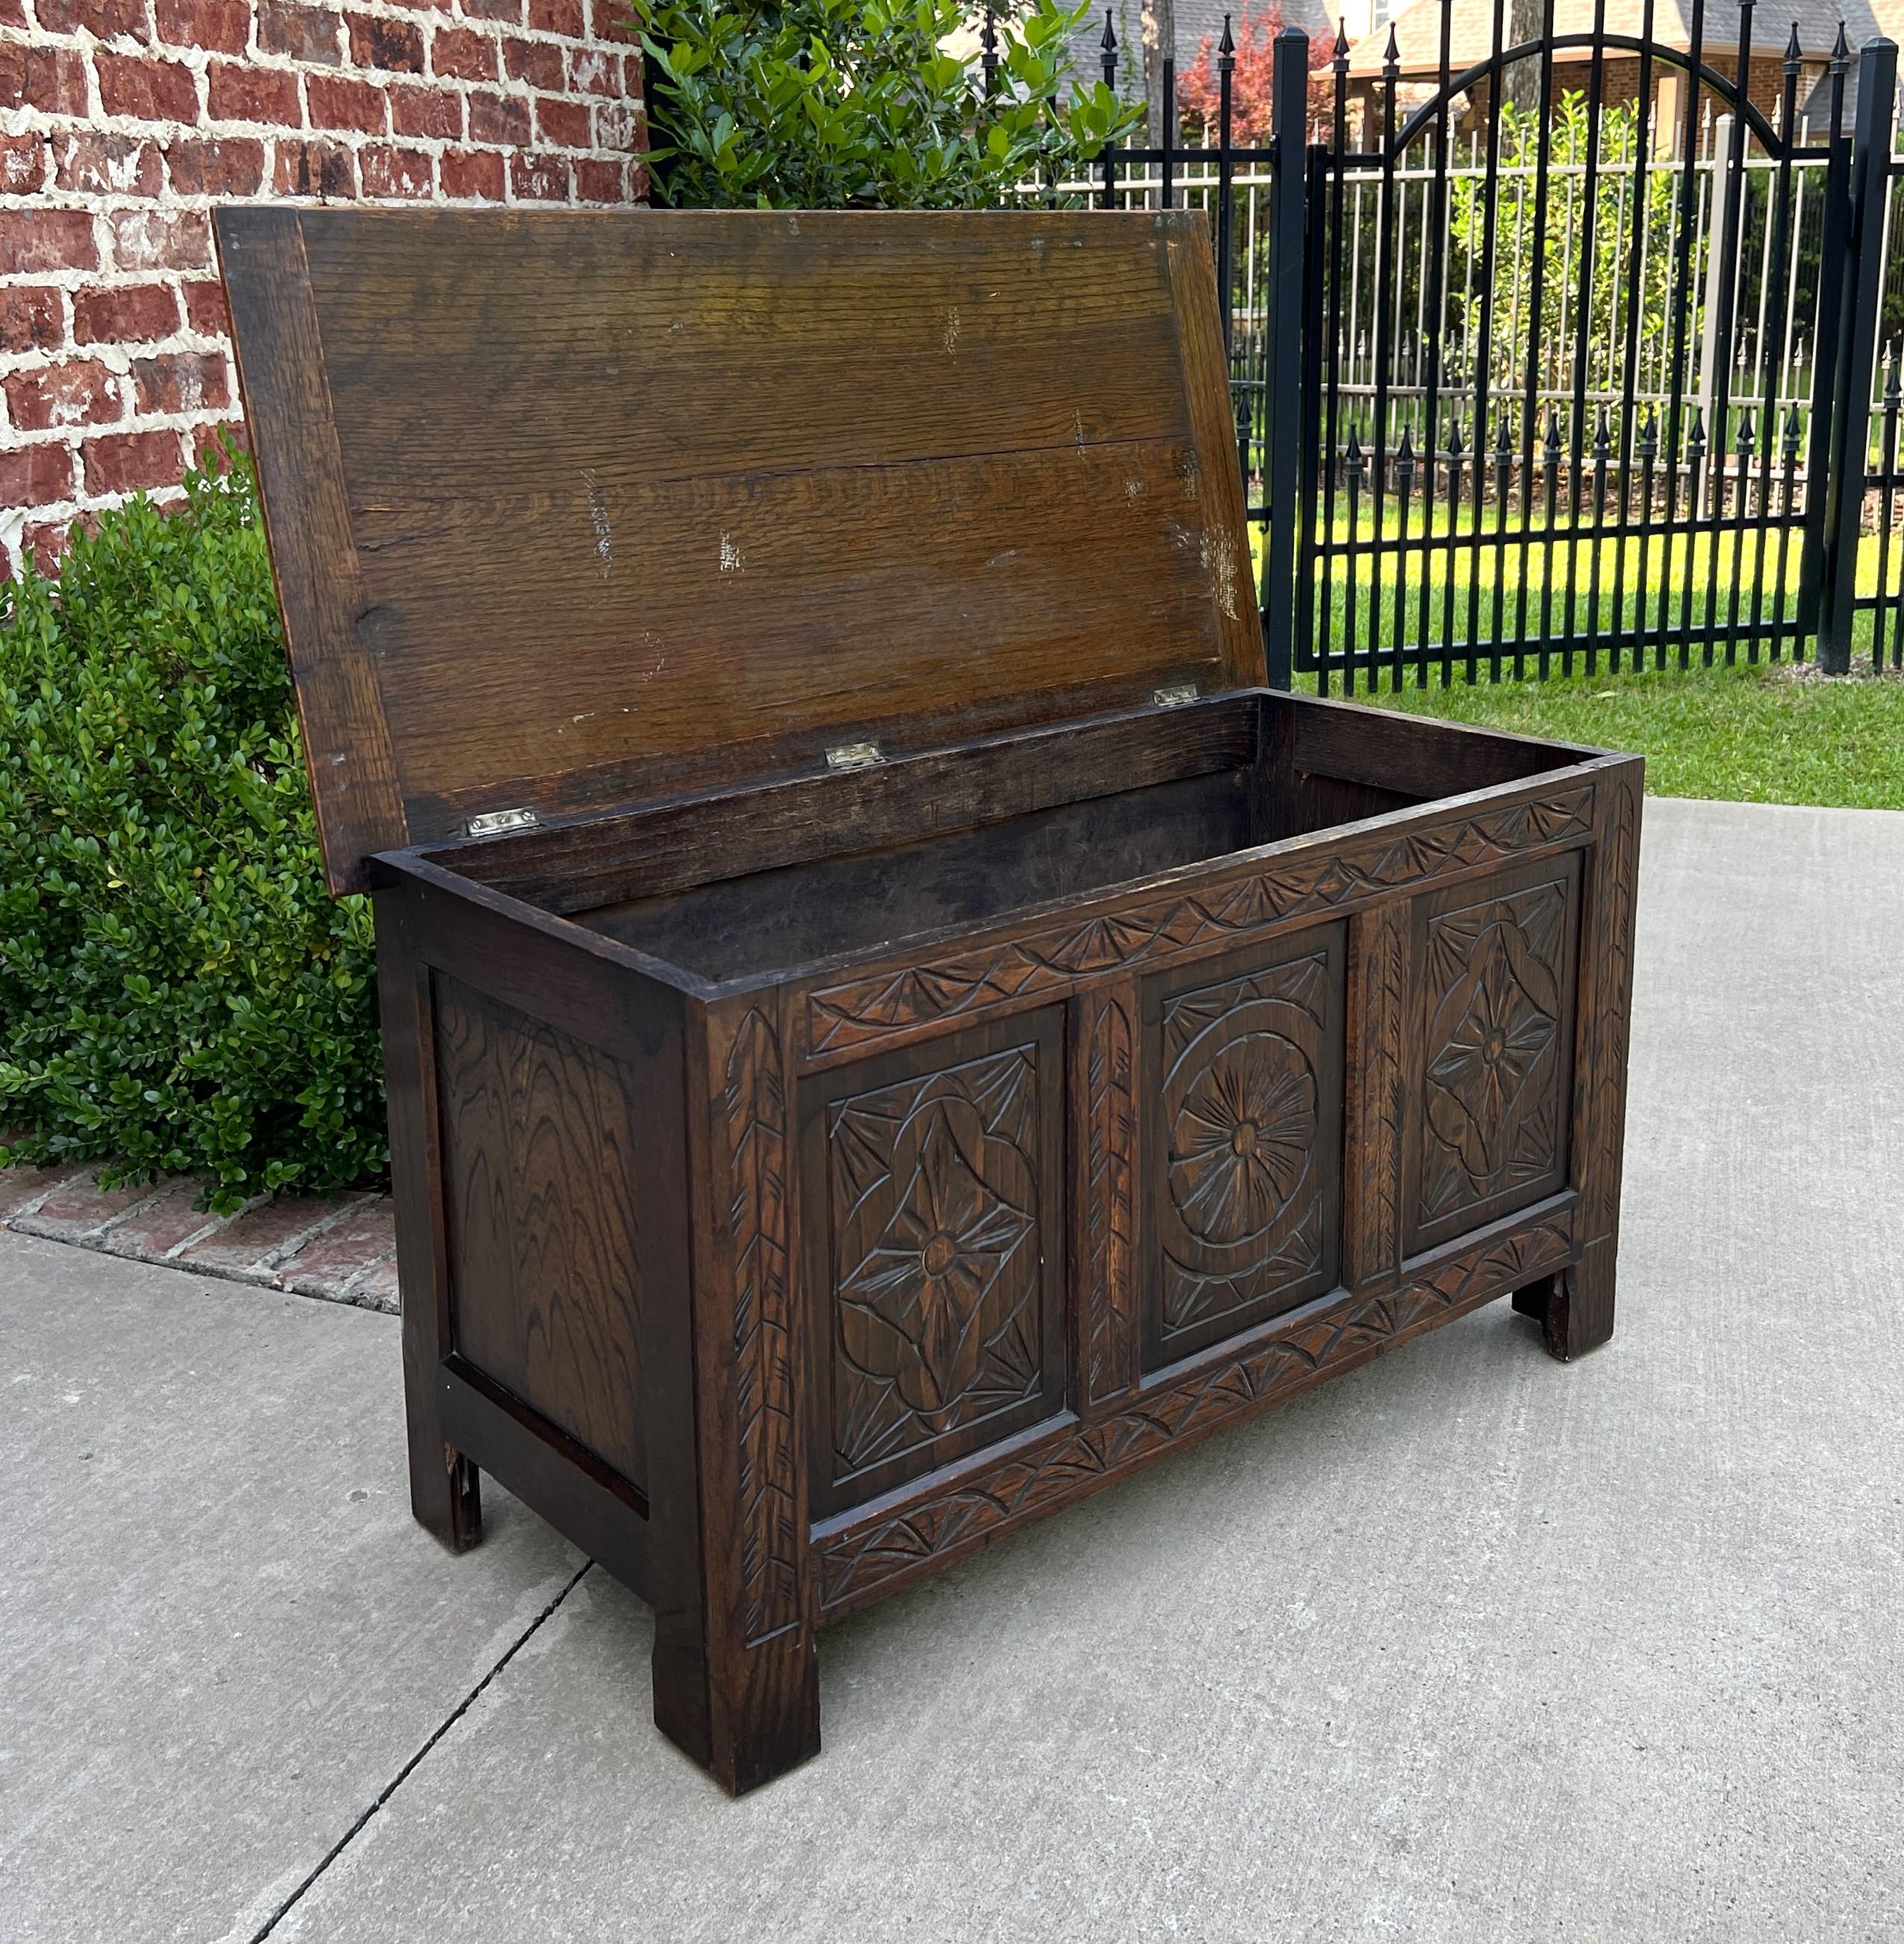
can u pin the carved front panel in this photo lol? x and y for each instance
(937, 1171)
(1490, 1127)
(1246, 1098)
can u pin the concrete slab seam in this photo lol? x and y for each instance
(409, 1767)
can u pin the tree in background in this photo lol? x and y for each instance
(1158, 22)
(822, 104)
(1199, 88)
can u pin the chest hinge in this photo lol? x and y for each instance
(492, 822)
(853, 756)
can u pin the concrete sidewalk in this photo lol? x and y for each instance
(1467, 1645)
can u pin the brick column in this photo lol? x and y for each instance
(122, 122)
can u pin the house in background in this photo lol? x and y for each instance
(1418, 30)
(1198, 21)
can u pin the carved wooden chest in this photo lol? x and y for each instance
(890, 1025)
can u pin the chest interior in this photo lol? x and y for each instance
(759, 881)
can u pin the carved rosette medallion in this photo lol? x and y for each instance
(1493, 1104)
(1249, 1101)
(1241, 1148)
(938, 1267)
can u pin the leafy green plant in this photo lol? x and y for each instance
(1630, 236)
(177, 991)
(823, 104)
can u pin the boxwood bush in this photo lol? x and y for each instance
(177, 990)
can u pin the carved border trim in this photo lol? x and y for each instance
(967, 981)
(860, 1561)
(1381, 1095)
(755, 1102)
(1606, 1031)
(1110, 1287)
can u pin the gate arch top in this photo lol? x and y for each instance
(1704, 75)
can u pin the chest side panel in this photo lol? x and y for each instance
(539, 1156)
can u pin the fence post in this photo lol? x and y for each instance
(1857, 350)
(1834, 273)
(1712, 351)
(1288, 212)
(1226, 194)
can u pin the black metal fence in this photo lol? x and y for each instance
(1592, 384)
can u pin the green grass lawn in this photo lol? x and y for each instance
(1756, 734)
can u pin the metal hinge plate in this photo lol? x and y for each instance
(492, 822)
(853, 756)
(1175, 695)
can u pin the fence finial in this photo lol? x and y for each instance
(1341, 61)
(1840, 51)
(1109, 43)
(988, 40)
(1794, 53)
(1392, 59)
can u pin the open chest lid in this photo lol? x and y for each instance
(569, 511)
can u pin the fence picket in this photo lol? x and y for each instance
(1647, 364)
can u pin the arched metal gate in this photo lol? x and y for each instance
(1568, 354)
(1589, 388)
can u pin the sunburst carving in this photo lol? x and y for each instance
(1242, 1144)
(1246, 1227)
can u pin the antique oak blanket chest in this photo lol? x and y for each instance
(890, 1025)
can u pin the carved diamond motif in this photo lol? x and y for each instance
(1491, 1078)
(937, 1264)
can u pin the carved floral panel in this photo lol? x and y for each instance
(1248, 1112)
(938, 1271)
(1497, 973)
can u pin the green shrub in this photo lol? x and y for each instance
(177, 990)
(825, 104)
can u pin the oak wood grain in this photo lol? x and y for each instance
(643, 501)
(291, 420)
(591, 863)
(539, 1160)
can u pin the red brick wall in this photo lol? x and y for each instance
(123, 122)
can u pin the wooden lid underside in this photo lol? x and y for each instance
(573, 510)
